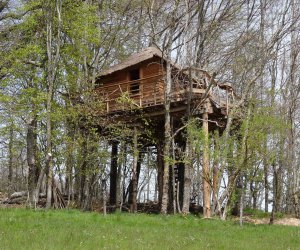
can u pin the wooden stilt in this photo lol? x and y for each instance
(113, 174)
(205, 172)
(160, 169)
(133, 205)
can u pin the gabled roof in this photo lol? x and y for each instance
(136, 58)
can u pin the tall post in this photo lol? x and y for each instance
(113, 174)
(160, 169)
(205, 175)
(123, 155)
(173, 177)
(133, 205)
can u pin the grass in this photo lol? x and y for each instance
(259, 214)
(26, 229)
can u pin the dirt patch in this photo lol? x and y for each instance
(288, 222)
(283, 221)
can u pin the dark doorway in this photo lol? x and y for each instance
(134, 87)
(134, 74)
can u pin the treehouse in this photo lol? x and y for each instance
(141, 79)
(134, 90)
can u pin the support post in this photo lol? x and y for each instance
(133, 205)
(160, 169)
(205, 174)
(113, 174)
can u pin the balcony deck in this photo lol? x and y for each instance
(119, 97)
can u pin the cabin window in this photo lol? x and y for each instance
(133, 76)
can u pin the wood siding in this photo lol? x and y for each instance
(151, 87)
(148, 90)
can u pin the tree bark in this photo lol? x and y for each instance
(103, 185)
(215, 187)
(167, 125)
(11, 157)
(206, 170)
(130, 187)
(266, 181)
(160, 168)
(133, 205)
(69, 158)
(242, 201)
(187, 179)
(31, 141)
(113, 174)
(52, 64)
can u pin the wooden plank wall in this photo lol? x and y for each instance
(151, 85)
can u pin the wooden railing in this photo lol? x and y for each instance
(118, 96)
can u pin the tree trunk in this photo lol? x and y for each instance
(118, 184)
(206, 170)
(103, 185)
(275, 194)
(133, 205)
(242, 201)
(130, 187)
(174, 189)
(113, 174)
(215, 187)
(87, 191)
(52, 64)
(31, 141)
(160, 168)
(266, 182)
(187, 180)
(167, 126)
(11, 157)
(69, 158)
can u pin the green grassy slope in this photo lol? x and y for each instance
(26, 229)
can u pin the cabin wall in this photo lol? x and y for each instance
(146, 91)
(153, 83)
(117, 77)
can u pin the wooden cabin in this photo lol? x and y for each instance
(140, 79)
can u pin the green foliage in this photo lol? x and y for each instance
(256, 213)
(126, 102)
(195, 134)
